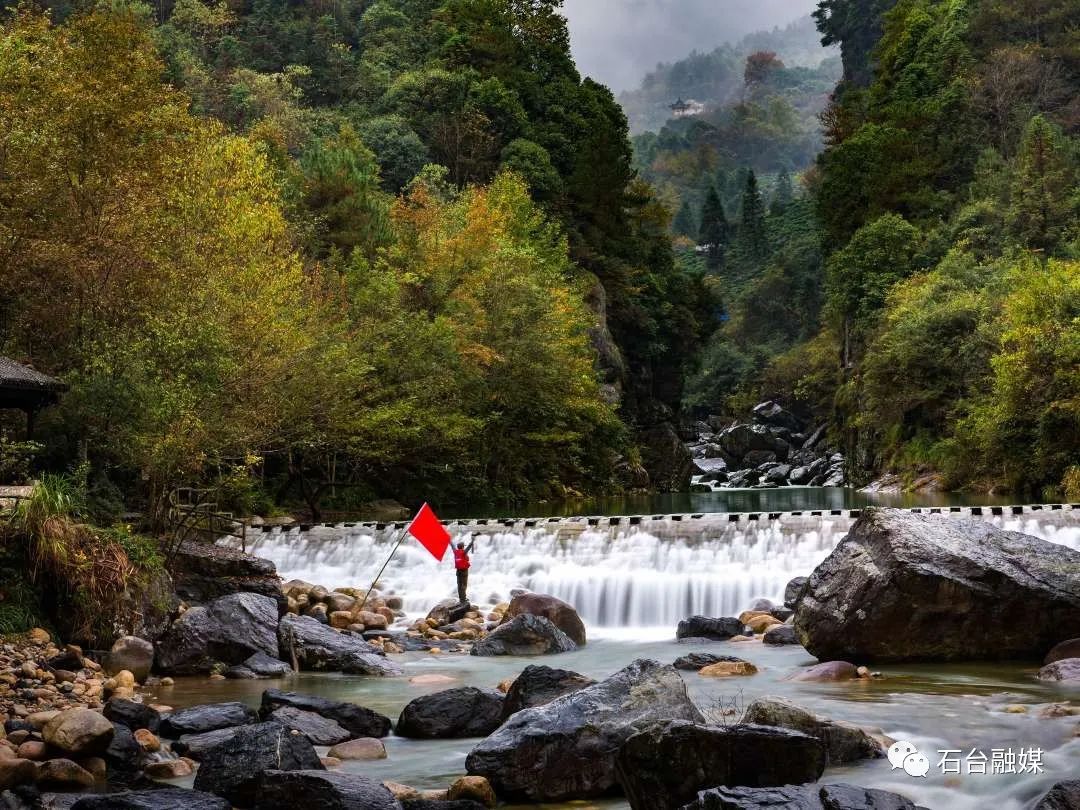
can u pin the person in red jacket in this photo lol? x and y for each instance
(461, 565)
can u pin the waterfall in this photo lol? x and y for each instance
(647, 575)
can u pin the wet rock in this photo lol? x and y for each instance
(558, 612)
(829, 671)
(195, 745)
(1064, 669)
(208, 717)
(1066, 649)
(447, 611)
(227, 630)
(132, 714)
(794, 590)
(566, 749)
(131, 653)
(1062, 796)
(124, 754)
(843, 742)
(727, 669)
(357, 720)
(525, 634)
(472, 788)
(318, 729)
(719, 629)
(538, 685)
(664, 767)
(147, 740)
(169, 769)
(64, 774)
(266, 666)
(780, 634)
(696, 661)
(205, 572)
(362, 749)
(288, 790)
(463, 712)
(81, 732)
(807, 797)
(233, 768)
(906, 587)
(321, 648)
(172, 798)
(15, 772)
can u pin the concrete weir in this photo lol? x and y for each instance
(618, 570)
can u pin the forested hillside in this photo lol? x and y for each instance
(366, 248)
(947, 210)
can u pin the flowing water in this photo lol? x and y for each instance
(632, 580)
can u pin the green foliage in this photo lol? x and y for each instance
(16, 459)
(713, 232)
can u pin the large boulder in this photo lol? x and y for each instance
(318, 647)
(462, 712)
(208, 717)
(1064, 669)
(227, 630)
(357, 720)
(289, 790)
(194, 746)
(1062, 796)
(696, 661)
(525, 634)
(664, 766)
(843, 742)
(318, 729)
(740, 440)
(80, 732)
(203, 573)
(132, 653)
(803, 797)
(719, 629)
(558, 612)
(773, 413)
(170, 798)
(233, 768)
(133, 714)
(1066, 649)
(538, 685)
(447, 612)
(666, 458)
(566, 749)
(910, 587)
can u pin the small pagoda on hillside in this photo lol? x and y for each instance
(26, 390)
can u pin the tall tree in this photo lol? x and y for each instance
(752, 233)
(713, 234)
(783, 194)
(1044, 205)
(684, 224)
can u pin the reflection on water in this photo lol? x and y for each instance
(934, 706)
(782, 499)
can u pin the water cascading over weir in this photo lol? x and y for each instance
(619, 572)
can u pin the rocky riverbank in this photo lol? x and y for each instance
(774, 449)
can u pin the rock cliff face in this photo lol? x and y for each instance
(908, 587)
(204, 572)
(775, 448)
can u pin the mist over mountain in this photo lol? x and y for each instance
(618, 41)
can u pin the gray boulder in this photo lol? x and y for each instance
(195, 745)
(170, 798)
(289, 790)
(664, 767)
(227, 630)
(234, 767)
(794, 590)
(132, 653)
(525, 634)
(805, 797)
(1062, 796)
(719, 629)
(208, 717)
(322, 648)
(358, 720)
(566, 749)
(696, 660)
(133, 714)
(1064, 669)
(911, 587)
(843, 742)
(772, 413)
(538, 685)
(318, 729)
(450, 714)
(780, 634)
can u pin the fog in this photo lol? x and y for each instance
(618, 41)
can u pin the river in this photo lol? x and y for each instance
(632, 581)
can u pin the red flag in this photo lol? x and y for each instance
(426, 528)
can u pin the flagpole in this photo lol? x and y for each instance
(401, 539)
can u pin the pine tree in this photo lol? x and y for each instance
(783, 195)
(1043, 182)
(714, 229)
(752, 234)
(683, 224)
